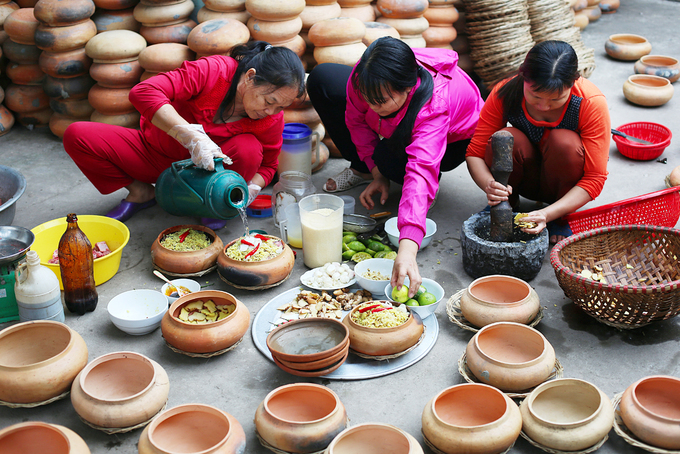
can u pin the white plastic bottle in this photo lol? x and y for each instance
(37, 291)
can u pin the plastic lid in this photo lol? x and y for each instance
(293, 131)
(261, 202)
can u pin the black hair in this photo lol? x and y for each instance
(390, 63)
(276, 66)
(550, 66)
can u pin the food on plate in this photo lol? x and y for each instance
(331, 275)
(377, 314)
(309, 304)
(99, 250)
(200, 311)
(255, 248)
(172, 292)
(186, 240)
(375, 275)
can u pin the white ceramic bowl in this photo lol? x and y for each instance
(384, 266)
(431, 286)
(393, 232)
(191, 284)
(138, 312)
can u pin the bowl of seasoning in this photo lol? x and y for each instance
(186, 285)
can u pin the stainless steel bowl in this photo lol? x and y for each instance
(14, 242)
(357, 223)
(12, 186)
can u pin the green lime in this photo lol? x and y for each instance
(357, 246)
(427, 298)
(349, 238)
(376, 246)
(371, 252)
(386, 248)
(412, 302)
(420, 291)
(380, 254)
(345, 247)
(359, 256)
(391, 255)
(347, 255)
(400, 294)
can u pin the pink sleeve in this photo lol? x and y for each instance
(364, 138)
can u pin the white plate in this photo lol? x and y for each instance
(306, 279)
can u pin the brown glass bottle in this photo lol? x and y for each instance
(77, 269)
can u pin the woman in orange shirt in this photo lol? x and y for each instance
(561, 129)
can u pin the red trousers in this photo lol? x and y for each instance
(112, 157)
(547, 171)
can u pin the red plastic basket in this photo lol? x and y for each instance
(660, 208)
(659, 135)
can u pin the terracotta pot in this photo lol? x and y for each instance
(110, 101)
(306, 116)
(178, 33)
(165, 57)
(208, 337)
(308, 340)
(63, 39)
(255, 274)
(406, 27)
(609, 6)
(471, 418)
(275, 11)
(34, 436)
(374, 438)
(375, 30)
(510, 356)
(353, 3)
(116, 46)
(128, 120)
(646, 90)
(274, 32)
(26, 54)
(120, 389)
(312, 373)
(6, 120)
(313, 14)
(659, 65)
(25, 74)
(21, 25)
(297, 45)
(627, 47)
(115, 20)
(580, 5)
(115, 4)
(402, 9)
(383, 341)
(319, 364)
(39, 360)
(217, 36)
(147, 75)
(363, 13)
(56, 13)
(581, 21)
(300, 418)
(650, 408)
(593, 2)
(348, 54)
(499, 298)
(117, 75)
(414, 41)
(65, 64)
(441, 16)
(157, 15)
(205, 14)
(6, 9)
(210, 431)
(439, 36)
(35, 118)
(336, 32)
(567, 415)
(74, 87)
(186, 262)
(26, 98)
(58, 123)
(226, 5)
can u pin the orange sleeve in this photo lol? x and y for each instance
(491, 119)
(595, 131)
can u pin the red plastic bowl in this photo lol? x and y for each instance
(659, 135)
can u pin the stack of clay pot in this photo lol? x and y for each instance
(315, 11)
(217, 37)
(580, 18)
(6, 117)
(358, 9)
(593, 10)
(375, 30)
(461, 44)
(65, 28)
(338, 40)
(407, 17)
(160, 58)
(441, 16)
(165, 21)
(116, 69)
(25, 95)
(224, 9)
(115, 15)
(277, 22)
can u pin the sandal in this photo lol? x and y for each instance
(557, 229)
(346, 180)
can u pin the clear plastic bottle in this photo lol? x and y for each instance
(77, 269)
(292, 187)
(37, 291)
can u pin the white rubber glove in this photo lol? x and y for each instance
(253, 191)
(203, 150)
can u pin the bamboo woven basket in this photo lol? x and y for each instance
(640, 265)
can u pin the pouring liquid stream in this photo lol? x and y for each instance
(244, 219)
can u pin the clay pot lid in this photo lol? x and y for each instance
(469, 405)
(649, 81)
(371, 437)
(115, 46)
(565, 402)
(195, 428)
(510, 343)
(33, 434)
(219, 297)
(118, 377)
(659, 395)
(34, 343)
(499, 289)
(628, 39)
(308, 339)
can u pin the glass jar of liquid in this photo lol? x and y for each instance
(292, 187)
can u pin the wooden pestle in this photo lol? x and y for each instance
(501, 168)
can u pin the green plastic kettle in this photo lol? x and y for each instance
(186, 190)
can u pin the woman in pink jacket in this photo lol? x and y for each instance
(399, 115)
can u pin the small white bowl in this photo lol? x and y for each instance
(138, 312)
(384, 266)
(431, 286)
(192, 285)
(393, 232)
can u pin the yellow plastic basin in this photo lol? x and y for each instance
(97, 228)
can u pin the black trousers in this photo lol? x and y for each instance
(327, 89)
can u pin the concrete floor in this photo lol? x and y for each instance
(238, 381)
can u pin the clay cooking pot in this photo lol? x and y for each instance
(186, 262)
(499, 298)
(36, 436)
(255, 274)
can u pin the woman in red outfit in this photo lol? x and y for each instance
(217, 106)
(560, 123)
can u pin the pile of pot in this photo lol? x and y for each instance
(165, 21)
(440, 15)
(65, 29)
(6, 117)
(277, 23)
(217, 36)
(115, 15)
(407, 18)
(358, 9)
(313, 12)
(338, 40)
(116, 69)
(223, 9)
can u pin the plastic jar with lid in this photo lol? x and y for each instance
(292, 187)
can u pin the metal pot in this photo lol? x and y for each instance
(12, 187)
